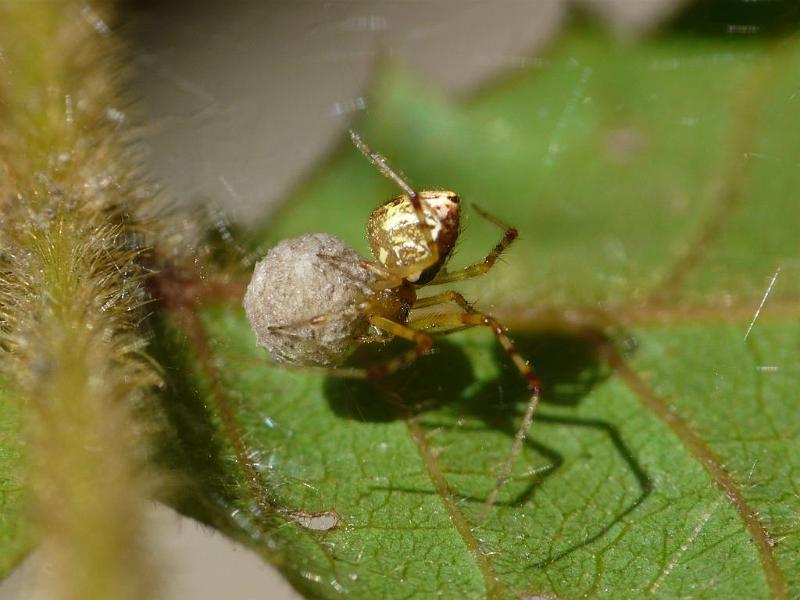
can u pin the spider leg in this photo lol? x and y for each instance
(380, 162)
(478, 319)
(479, 268)
(422, 340)
(375, 338)
(374, 268)
(318, 319)
(385, 281)
(449, 296)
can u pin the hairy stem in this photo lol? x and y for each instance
(71, 243)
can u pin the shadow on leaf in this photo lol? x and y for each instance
(445, 380)
(415, 389)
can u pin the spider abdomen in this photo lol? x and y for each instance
(398, 242)
(303, 297)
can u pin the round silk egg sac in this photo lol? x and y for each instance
(314, 276)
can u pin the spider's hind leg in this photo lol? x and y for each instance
(386, 329)
(478, 319)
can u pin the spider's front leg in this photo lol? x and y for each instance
(380, 162)
(478, 319)
(384, 279)
(479, 268)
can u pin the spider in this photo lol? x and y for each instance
(411, 237)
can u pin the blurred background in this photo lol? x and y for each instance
(243, 98)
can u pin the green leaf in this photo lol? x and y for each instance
(14, 535)
(654, 187)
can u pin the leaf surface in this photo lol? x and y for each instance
(654, 187)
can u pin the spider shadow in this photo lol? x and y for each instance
(567, 366)
(410, 391)
(569, 369)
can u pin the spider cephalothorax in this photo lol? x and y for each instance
(313, 299)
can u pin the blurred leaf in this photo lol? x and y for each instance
(14, 537)
(654, 187)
